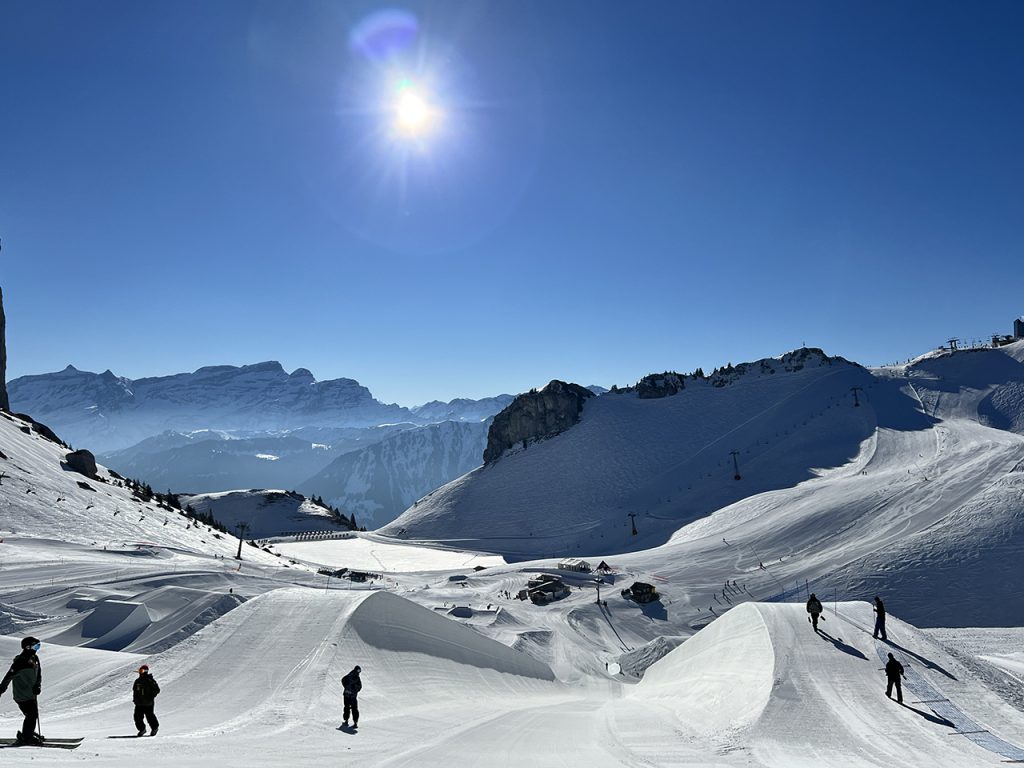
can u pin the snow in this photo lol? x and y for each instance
(250, 655)
(369, 554)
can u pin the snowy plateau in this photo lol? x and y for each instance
(747, 491)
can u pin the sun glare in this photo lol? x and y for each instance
(413, 113)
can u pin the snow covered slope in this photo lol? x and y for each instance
(379, 481)
(41, 498)
(668, 460)
(266, 513)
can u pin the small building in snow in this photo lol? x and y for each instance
(545, 588)
(574, 564)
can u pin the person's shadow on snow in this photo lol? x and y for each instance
(350, 729)
(929, 716)
(838, 643)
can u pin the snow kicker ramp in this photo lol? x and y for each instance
(111, 625)
(760, 682)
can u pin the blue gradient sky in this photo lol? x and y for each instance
(615, 189)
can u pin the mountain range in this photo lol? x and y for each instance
(222, 428)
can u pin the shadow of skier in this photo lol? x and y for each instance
(929, 716)
(839, 644)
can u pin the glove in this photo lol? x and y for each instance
(37, 691)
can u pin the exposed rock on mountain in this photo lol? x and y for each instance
(4, 402)
(536, 415)
(660, 385)
(109, 412)
(82, 462)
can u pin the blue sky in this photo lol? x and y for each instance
(612, 188)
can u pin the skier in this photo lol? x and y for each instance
(814, 608)
(26, 674)
(879, 610)
(352, 685)
(893, 673)
(144, 693)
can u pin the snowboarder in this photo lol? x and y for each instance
(144, 693)
(26, 675)
(814, 608)
(879, 610)
(893, 673)
(352, 685)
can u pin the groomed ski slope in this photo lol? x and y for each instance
(260, 687)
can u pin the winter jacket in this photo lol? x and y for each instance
(893, 669)
(879, 609)
(351, 683)
(814, 605)
(26, 674)
(145, 690)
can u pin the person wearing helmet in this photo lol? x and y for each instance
(144, 693)
(26, 677)
(352, 685)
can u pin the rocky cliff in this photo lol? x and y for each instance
(4, 402)
(536, 415)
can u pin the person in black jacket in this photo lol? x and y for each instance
(26, 675)
(879, 610)
(352, 685)
(144, 693)
(814, 608)
(893, 673)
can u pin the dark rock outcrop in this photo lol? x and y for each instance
(82, 462)
(41, 429)
(5, 404)
(536, 415)
(660, 385)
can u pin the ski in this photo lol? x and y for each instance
(48, 744)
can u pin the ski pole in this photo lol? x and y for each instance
(39, 724)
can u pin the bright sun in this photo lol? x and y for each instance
(413, 114)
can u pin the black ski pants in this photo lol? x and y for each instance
(814, 620)
(899, 689)
(351, 705)
(142, 711)
(31, 711)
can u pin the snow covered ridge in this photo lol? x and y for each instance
(267, 513)
(108, 412)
